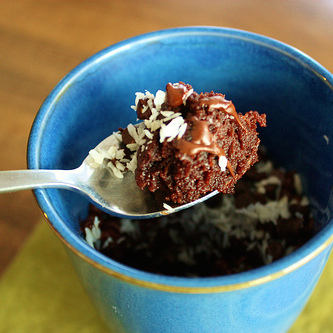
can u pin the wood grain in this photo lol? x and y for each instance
(40, 41)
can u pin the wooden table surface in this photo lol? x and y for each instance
(40, 41)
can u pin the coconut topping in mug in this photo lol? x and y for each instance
(267, 218)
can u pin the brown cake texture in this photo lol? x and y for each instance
(207, 147)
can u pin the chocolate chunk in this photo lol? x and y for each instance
(142, 110)
(126, 137)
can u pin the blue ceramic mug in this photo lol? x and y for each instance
(256, 73)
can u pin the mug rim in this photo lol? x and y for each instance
(263, 274)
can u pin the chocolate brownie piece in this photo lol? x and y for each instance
(208, 146)
(186, 145)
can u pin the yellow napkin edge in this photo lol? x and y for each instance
(317, 314)
(41, 292)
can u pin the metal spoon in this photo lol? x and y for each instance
(117, 196)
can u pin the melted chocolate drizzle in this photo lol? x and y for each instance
(176, 94)
(202, 140)
(220, 103)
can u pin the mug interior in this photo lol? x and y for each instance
(253, 71)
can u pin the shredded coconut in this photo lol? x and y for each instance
(272, 180)
(127, 226)
(264, 167)
(223, 162)
(298, 184)
(168, 207)
(327, 139)
(132, 164)
(97, 157)
(148, 134)
(172, 129)
(108, 241)
(115, 157)
(115, 170)
(94, 233)
(159, 99)
(269, 212)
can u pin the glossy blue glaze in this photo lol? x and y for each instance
(268, 307)
(255, 72)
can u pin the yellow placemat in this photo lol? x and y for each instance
(40, 292)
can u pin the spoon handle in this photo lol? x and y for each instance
(11, 181)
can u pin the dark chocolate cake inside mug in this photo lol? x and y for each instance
(267, 218)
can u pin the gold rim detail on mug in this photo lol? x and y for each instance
(194, 290)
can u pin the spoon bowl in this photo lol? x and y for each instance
(119, 196)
